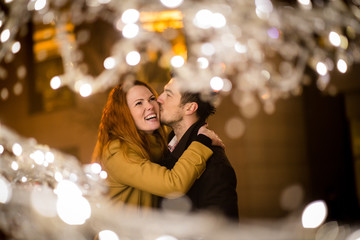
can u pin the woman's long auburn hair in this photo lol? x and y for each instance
(117, 123)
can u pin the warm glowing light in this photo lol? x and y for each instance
(103, 175)
(73, 210)
(133, 58)
(109, 63)
(218, 20)
(342, 66)
(95, 168)
(4, 93)
(273, 33)
(55, 82)
(5, 35)
(130, 16)
(58, 176)
(216, 83)
(304, 2)
(108, 235)
(203, 62)
(264, 6)
(1, 149)
(321, 68)
(202, 17)
(40, 4)
(177, 61)
(85, 90)
(5, 190)
(18, 88)
(15, 48)
(49, 157)
(335, 39)
(66, 188)
(14, 165)
(314, 214)
(171, 3)
(234, 128)
(38, 157)
(166, 237)
(130, 30)
(17, 149)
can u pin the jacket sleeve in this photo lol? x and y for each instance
(126, 166)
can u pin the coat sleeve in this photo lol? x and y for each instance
(127, 167)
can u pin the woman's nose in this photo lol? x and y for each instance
(149, 105)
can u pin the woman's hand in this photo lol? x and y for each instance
(215, 140)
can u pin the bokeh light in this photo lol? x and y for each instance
(314, 214)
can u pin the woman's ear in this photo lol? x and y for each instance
(190, 108)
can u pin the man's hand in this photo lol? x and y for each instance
(215, 140)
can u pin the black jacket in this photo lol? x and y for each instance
(216, 188)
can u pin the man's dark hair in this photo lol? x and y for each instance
(205, 108)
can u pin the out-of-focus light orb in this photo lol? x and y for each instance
(344, 42)
(4, 93)
(304, 2)
(264, 6)
(314, 214)
(227, 85)
(43, 200)
(1, 23)
(49, 157)
(108, 235)
(234, 128)
(66, 188)
(201, 19)
(85, 90)
(321, 68)
(40, 4)
(55, 82)
(38, 157)
(104, 1)
(5, 35)
(130, 16)
(203, 62)
(335, 39)
(15, 48)
(5, 190)
(342, 66)
(95, 168)
(292, 197)
(130, 30)
(109, 63)
(240, 48)
(166, 237)
(133, 58)
(216, 83)
(73, 210)
(218, 20)
(14, 165)
(171, 3)
(273, 33)
(17, 149)
(103, 175)
(58, 176)
(18, 88)
(1, 149)
(177, 61)
(24, 179)
(207, 49)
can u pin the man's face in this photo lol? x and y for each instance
(171, 110)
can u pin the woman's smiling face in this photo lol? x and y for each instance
(144, 108)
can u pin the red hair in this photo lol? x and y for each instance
(117, 124)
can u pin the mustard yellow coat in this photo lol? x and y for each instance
(133, 180)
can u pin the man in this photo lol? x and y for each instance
(185, 113)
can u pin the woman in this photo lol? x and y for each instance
(131, 142)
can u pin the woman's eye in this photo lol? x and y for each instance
(153, 98)
(138, 104)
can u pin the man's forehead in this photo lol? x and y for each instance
(173, 85)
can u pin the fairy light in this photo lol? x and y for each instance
(39, 4)
(130, 16)
(108, 235)
(177, 61)
(201, 19)
(218, 20)
(130, 30)
(103, 174)
(5, 190)
(203, 62)
(1, 149)
(216, 83)
(109, 63)
(5, 35)
(15, 47)
(133, 58)
(14, 165)
(208, 49)
(17, 149)
(314, 214)
(55, 82)
(166, 237)
(85, 90)
(321, 68)
(341, 66)
(171, 3)
(335, 39)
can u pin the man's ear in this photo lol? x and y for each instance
(190, 108)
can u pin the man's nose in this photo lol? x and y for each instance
(159, 99)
